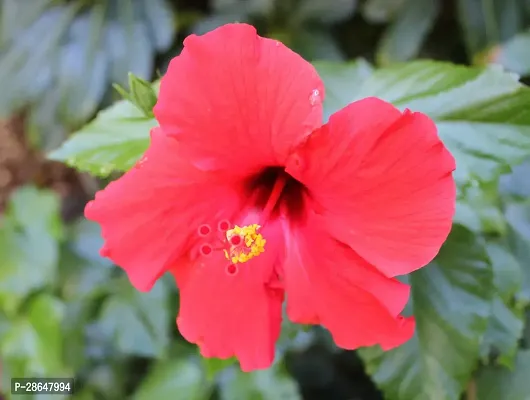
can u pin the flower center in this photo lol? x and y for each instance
(245, 243)
(270, 192)
(239, 244)
(276, 192)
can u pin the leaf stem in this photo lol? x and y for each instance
(471, 391)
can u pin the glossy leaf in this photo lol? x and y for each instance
(137, 322)
(505, 328)
(142, 94)
(32, 346)
(29, 245)
(404, 37)
(486, 23)
(269, 384)
(313, 44)
(517, 183)
(320, 10)
(505, 325)
(494, 383)
(114, 141)
(214, 366)
(518, 216)
(173, 379)
(342, 82)
(451, 302)
(83, 48)
(478, 111)
(514, 54)
(379, 11)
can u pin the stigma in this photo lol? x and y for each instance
(244, 243)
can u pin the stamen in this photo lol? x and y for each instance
(245, 243)
(239, 244)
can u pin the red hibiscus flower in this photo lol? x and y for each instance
(246, 198)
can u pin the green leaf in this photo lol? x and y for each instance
(404, 38)
(517, 183)
(142, 94)
(507, 271)
(161, 19)
(295, 337)
(380, 11)
(84, 394)
(494, 383)
(168, 380)
(479, 112)
(83, 272)
(518, 217)
(33, 344)
(513, 55)
(84, 279)
(342, 82)
(81, 68)
(270, 384)
(85, 240)
(22, 61)
(138, 322)
(486, 23)
(526, 333)
(451, 300)
(321, 11)
(107, 379)
(82, 47)
(29, 235)
(313, 44)
(114, 141)
(505, 328)
(213, 366)
(479, 210)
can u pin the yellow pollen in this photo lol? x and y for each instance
(252, 243)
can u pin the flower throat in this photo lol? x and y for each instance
(271, 190)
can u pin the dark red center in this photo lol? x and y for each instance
(260, 187)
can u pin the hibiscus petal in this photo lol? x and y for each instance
(327, 283)
(233, 314)
(148, 215)
(235, 99)
(384, 182)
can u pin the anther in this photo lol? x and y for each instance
(245, 243)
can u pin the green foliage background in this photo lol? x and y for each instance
(64, 311)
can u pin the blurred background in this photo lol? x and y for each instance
(64, 311)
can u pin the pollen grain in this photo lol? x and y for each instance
(251, 244)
